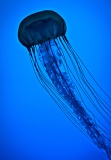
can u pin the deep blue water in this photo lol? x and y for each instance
(32, 127)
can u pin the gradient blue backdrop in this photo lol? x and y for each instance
(32, 127)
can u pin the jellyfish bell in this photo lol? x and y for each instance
(41, 27)
(60, 71)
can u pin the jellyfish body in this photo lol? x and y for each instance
(43, 34)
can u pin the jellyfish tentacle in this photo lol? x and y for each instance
(63, 84)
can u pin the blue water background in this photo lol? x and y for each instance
(32, 127)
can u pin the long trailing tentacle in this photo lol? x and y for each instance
(66, 87)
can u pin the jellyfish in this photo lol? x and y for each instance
(61, 72)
